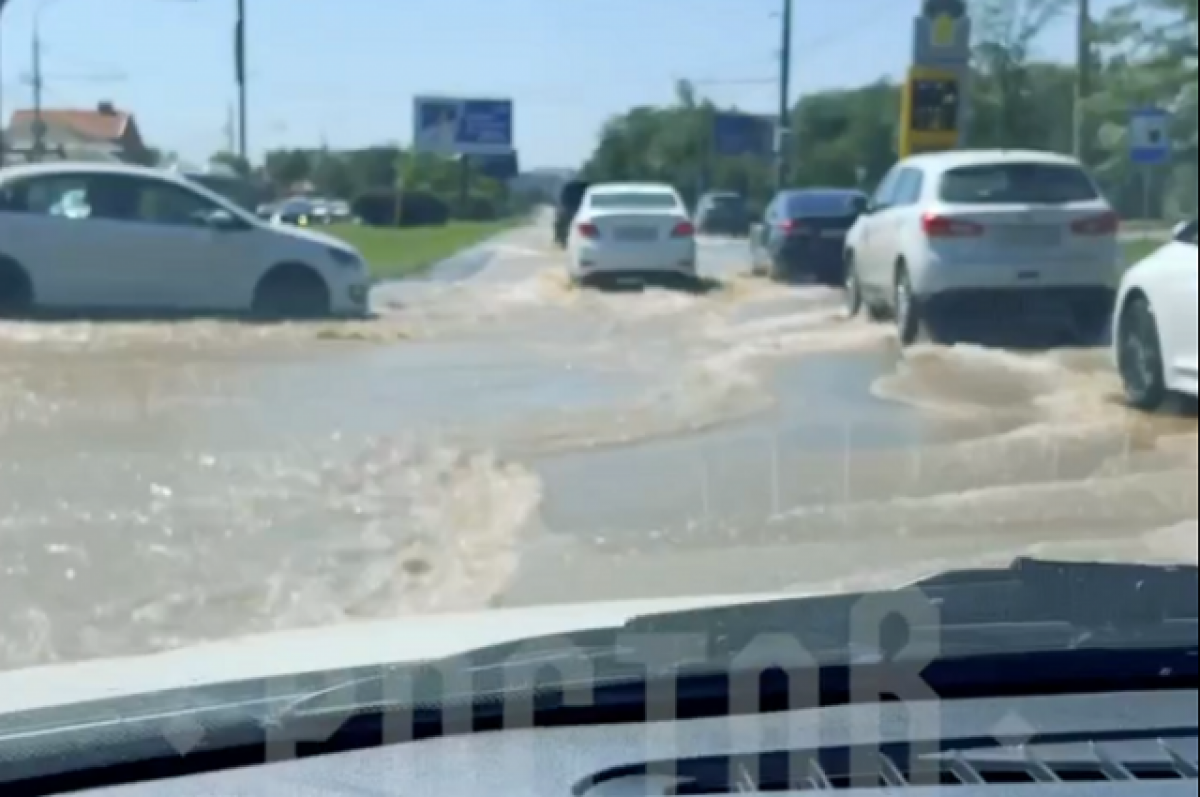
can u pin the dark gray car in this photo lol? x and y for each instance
(802, 236)
(722, 213)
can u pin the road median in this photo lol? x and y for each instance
(398, 252)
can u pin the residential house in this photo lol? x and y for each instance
(105, 134)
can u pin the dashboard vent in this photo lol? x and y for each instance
(899, 767)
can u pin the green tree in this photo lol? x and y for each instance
(1145, 53)
(232, 161)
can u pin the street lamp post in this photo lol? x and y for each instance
(783, 136)
(3, 5)
(239, 57)
(39, 123)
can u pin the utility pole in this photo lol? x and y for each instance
(785, 110)
(229, 129)
(239, 55)
(39, 123)
(3, 148)
(1083, 79)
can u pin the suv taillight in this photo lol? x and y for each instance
(1104, 224)
(936, 226)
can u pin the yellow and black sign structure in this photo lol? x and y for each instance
(931, 111)
(935, 91)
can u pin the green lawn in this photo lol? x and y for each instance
(394, 253)
(1137, 250)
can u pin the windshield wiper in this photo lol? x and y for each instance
(1028, 608)
(1027, 604)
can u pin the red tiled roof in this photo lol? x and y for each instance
(92, 124)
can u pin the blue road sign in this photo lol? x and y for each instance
(460, 126)
(736, 134)
(1150, 136)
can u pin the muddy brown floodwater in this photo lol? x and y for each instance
(501, 439)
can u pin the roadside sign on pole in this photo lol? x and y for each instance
(1150, 136)
(736, 134)
(460, 126)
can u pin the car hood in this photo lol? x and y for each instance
(316, 650)
(313, 237)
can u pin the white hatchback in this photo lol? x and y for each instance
(632, 231)
(1155, 325)
(105, 238)
(990, 236)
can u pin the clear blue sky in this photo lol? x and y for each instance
(320, 70)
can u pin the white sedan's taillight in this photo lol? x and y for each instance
(684, 229)
(1103, 224)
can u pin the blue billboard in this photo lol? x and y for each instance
(459, 126)
(738, 134)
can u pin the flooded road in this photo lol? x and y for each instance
(496, 437)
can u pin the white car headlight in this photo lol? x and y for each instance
(346, 258)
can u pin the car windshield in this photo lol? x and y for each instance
(633, 200)
(818, 204)
(1188, 234)
(725, 201)
(550, 314)
(1017, 183)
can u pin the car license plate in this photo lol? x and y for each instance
(1041, 236)
(635, 234)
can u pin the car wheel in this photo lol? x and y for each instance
(292, 292)
(876, 313)
(16, 290)
(852, 290)
(778, 270)
(1139, 356)
(910, 324)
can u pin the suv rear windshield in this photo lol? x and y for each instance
(1017, 183)
(1188, 236)
(635, 199)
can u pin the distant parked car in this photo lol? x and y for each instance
(340, 212)
(802, 236)
(722, 213)
(1155, 323)
(298, 213)
(569, 200)
(100, 238)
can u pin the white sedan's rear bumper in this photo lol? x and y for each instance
(667, 257)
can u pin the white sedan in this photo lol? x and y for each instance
(111, 238)
(1155, 327)
(632, 232)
